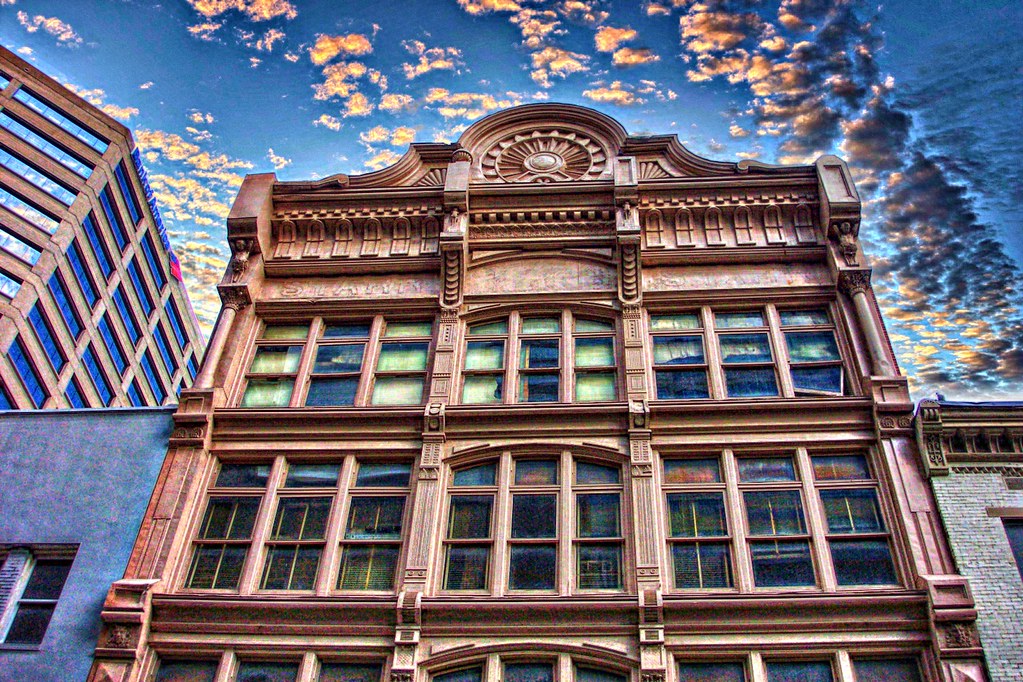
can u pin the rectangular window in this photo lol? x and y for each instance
(680, 364)
(44, 145)
(127, 194)
(12, 243)
(127, 316)
(814, 361)
(28, 211)
(27, 373)
(373, 531)
(99, 246)
(99, 378)
(113, 219)
(154, 263)
(176, 324)
(598, 526)
(9, 286)
(746, 356)
(155, 384)
(274, 367)
(73, 394)
(887, 670)
(82, 276)
(186, 671)
(62, 120)
(698, 532)
(135, 394)
(400, 375)
(267, 672)
(711, 672)
(111, 343)
(47, 340)
(67, 311)
(141, 287)
(165, 352)
(338, 364)
(37, 177)
(193, 369)
(1014, 531)
(41, 580)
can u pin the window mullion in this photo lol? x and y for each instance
(713, 354)
(758, 673)
(228, 667)
(500, 528)
(815, 522)
(308, 669)
(252, 570)
(567, 357)
(369, 361)
(511, 359)
(566, 527)
(305, 363)
(844, 667)
(326, 578)
(743, 563)
(781, 352)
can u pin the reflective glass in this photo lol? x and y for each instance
(399, 329)
(782, 564)
(528, 672)
(312, 475)
(696, 514)
(18, 247)
(290, 567)
(44, 145)
(891, 670)
(840, 467)
(344, 358)
(397, 391)
(279, 332)
(467, 675)
(711, 672)
(534, 516)
(349, 672)
(267, 672)
(674, 322)
(595, 387)
(765, 469)
(481, 389)
(692, 471)
(532, 567)
(186, 671)
(599, 566)
(791, 318)
(817, 379)
(383, 475)
(26, 97)
(539, 354)
(500, 327)
(268, 393)
(539, 388)
(340, 330)
(852, 511)
(368, 567)
(329, 392)
(276, 359)
(375, 518)
(484, 355)
(750, 383)
(541, 325)
(811, 346)
(701, 565)
(774, 512)
(484, 474)
(466, 568)
(470, 516)
(536, 472)
(681, 384)
(29, 212)
(798, 672)
(862, 562)
(597, 515)
(594, 352)
(405, 357)
(587, 473)
(753, 318)
(584, 325)
(243, 476)
(678, 350)
(737, 348)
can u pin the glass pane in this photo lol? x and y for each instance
(538, 388)
(290, 568)
(267, 672)
(598, 567)
(29, 624)
(862, 562)
(692, 471)
(596, 675)
(243, 476)
(186, 671)
(682, 384)
(467, 568)
(484, 355)
(765, 469)
(595, 387)
(804, 317)
(217, 566)
(285, 331)
(343, 358)
(268, 393)
(817, 379)
(483, 389)
(301, 518)
(528, 672)
(799, 672)
(349, 672)
(597, 515)
(1014, 534)
(674, 322)
(752, 318)
(375, 518)
(470, 516)
(539, 353)
(582, 325)
(775, 512)
(467, 675)
(230, 518)
(536, 472)
(398, 391)
(534, 516)
(811, 346)
(840, 467)
(744, 348)
(594, 352)
(750, 383)
(47, 579)
(898, 670)
(541, 325)
(383, 475)
(276, 359)
(587, 473)
(345, 329)
(782, 564)
(852, 511)
(702, 565)
(402, 357)
(398, 329)
(367, 567)
(532, 567)
(693, 515)
(711, 672)
(484, 474)
(500, 327)
(678, 350)
(328, 392)
(312, 476)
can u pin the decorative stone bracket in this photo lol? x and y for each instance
(124, 631)
(928, 434)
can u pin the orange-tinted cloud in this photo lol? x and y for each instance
(60, 30)
(255, 10)
(327, 47)
(608, 38)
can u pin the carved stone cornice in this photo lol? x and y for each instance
(235, 296)
(852, 282)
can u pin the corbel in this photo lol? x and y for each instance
(453, 241)
(840, 208)
(406, 635)
(928, 437)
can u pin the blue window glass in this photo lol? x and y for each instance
(46, 339)
(114, 218)
(176, 324)
(18, 247)
(154, 262)
(99, 379)
(37, 178)
(74, 395)
(74, 257)
(27, 373)
(44, 145)
(4, 81)
(127, 194)
(5, 401)
(99, 246)
(141, 289)
(24, 96)
(127, 316)
(63, 300)
(164, 345)
(192, 368)
(9, 287)
(135, 394)
(112, 345)
(22, 208)
(154, 379)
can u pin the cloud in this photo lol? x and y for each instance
(393, 103)
(582, 12)
(272, 36)
(554, 61)
(608, 38)
(328, 121)
(277, 160)
(536, 26)
(430, 59)
(327, 47)
(736, 130)
(206, 30)
(196, 116)
(291, 57)
(255, 10)
(24, 49)
(339, 80)
(708, 31)
(255, 61)
(199, 135)
(401, 136)
(357, 105)
(616, 93)
(146, 85)
(60, 30)
(477, 7)
(96, 98)
(382, 159)
(469, 105)
(627, 56)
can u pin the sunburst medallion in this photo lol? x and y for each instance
(544, 156)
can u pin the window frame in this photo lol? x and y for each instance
(34, 554)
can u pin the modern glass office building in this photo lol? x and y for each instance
(93, 312)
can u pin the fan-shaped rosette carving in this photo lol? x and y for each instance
(544, 156)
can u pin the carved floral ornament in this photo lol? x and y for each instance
(549, 155)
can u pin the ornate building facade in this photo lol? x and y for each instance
(550, 403)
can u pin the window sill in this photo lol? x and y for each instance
(26, 648)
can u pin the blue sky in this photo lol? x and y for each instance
(923, 97)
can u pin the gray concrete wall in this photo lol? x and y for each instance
(983, 555)
(76, 477)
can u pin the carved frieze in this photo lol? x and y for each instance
(537, 275)
(352, 237)
(365, 286)
(726, 221)
(546, 155)
(750, 276)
